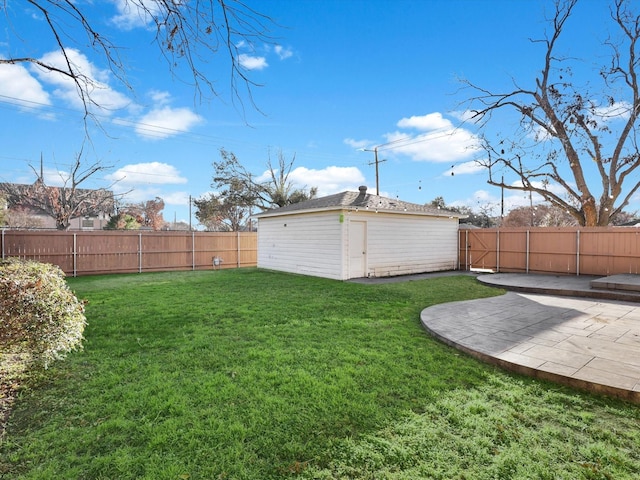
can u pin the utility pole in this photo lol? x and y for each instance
(375, 153)
(376, 162)
(502, 201)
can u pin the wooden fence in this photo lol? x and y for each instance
(99, 252)
(571, 250)
(574, 251)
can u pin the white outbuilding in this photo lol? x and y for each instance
(356, 234)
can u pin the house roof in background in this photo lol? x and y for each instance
(357, 201)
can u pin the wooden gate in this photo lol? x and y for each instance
(478, 250)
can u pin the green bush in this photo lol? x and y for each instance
(39, 314)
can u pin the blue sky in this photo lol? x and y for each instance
(339, 76)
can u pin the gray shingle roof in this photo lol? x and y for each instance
(359, 200)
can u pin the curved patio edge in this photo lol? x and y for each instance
(569, 341)
(588, 286)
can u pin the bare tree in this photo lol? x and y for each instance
(188, 35)
(66, 202)
(240, 191)
(277, 191)
(226, 211)
(568, 130)
(538, 216)
(21, 218)
(3, 210)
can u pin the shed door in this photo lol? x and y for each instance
(357, 249)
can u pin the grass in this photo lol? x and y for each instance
(250, 374)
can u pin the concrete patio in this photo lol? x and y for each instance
(580, 331)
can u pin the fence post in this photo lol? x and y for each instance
(3, 243)
(577, 252)
(466, 250)
(75, 255)
(498, 250)
(139, 253)
(458, 245)
(238, 248)
(193, 250)
(527, 253)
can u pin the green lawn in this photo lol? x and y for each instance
(249, 374)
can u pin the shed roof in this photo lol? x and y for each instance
(358, 200)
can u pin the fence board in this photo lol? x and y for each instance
(596, 248)
(552, 251)
(115, 252)
(568, 250)
(511, 249)
(99, 252)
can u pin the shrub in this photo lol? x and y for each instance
(122, 221)
(38, 311)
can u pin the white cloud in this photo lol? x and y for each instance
(358, 144)
(130, 14)
(438, 140)
(146, 173)
(482, 200)
(550, 187)
(465, 116)
(166, 121)
(282, 52)
(450, 145)
(176, 198)
(162, 121)
(483, 196)
(466, 168)
(619, 110)
(145, 193)
(431, 121)
(492, 200)
(160, 97)
(22, 89)
(136, 195)
(328, 180)
(601, 115)
(252, 62)
(106, 99)
(55, 178)
(539, 134)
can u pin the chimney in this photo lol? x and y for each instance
(363, 190)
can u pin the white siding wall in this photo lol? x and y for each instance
(310, 244)
(406, 244)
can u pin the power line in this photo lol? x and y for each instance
(141, 126)
(177, 134)
(159, 131)
(446, 132)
